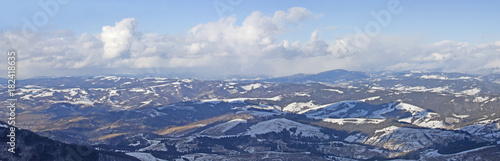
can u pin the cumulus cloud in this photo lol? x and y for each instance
(225, 47)
(117, 39)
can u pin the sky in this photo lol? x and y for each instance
(217, 38)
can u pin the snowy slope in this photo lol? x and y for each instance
(489, 129)
(330, 110)
(277, 125)
(410, 139)
(295, 107)
(223, 127)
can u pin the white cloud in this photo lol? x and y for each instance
(117, 39)
(497, 43)
(195, 47)
(226, 47)
(438, 57)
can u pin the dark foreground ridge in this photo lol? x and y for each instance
(30, 146)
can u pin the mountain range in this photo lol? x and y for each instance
(333, 115)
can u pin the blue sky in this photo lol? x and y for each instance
(471, 21)
(421, 23)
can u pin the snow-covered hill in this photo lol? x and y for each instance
(332, 115)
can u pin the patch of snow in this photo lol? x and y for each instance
(433, 77)
(301, 94)
(45, 94)
(113, 78)
(32, 86)
(223, 127)
(422, 89)
(379, 113)
(333, 106)
(137, 90)
(113, 92)
(406, 120)
(389, 129)
(377, 88)
(83, 91)
(421, 117)
(298, 106)
(252, 86)
(334, 90)
(439, 89)
(369, 99)
(150, 91)
(158, 78)
(4, 126)
(425, 120)
(98, 89)
(162, 81)
(156, 145)
(232, 91)
(144, 103)
(480, 99)
(460, 116)
(187, 80)
(410, 108)
(431, 124)
(83, 100)
(155, 113)
(73, 93)
(471, 92)
(354, 121)
(356, 138)
(135, 144)
(462, 77)
(27, 97)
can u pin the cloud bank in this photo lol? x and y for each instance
(225, 47)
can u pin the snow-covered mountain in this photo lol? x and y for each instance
(335, 115)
